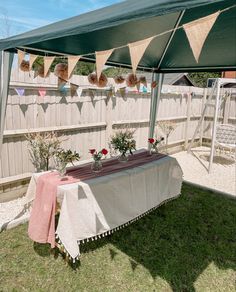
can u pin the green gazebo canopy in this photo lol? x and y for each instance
(131, 21)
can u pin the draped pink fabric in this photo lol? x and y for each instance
(42, 218)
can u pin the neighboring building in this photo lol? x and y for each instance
(181, 79)
(230, 75)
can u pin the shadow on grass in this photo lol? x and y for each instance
(179, 240)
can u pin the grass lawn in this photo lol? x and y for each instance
(189, 244)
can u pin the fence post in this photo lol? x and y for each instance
(188, 114)
(108, 118)
(203, 104)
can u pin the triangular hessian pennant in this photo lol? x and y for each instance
(137, 50)
(32, 58)
(72, 61)
(47, 63)
(197, 32)
(101, 58)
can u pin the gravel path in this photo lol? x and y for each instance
(12, 213)
(195, 169)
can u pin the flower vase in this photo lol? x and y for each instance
(96, 166)
(61, 167)
(123, 157)
(153, 150)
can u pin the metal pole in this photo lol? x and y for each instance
(214, 125)
(155, 99)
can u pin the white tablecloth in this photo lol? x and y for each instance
(97, 206)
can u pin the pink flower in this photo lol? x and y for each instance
(151, 140)
(104, 151)
(92, 151)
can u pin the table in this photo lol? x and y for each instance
(96, 207)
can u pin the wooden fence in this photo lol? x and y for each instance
(87, 121)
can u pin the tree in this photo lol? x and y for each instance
(200, 78)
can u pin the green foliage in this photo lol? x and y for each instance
(123, 141)
(115, 71)
(67, 156)
(200, 78)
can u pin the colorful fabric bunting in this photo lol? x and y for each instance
(47, 63)
(137, 50)
(42, 92)
(72, 61)
(61, 83)
(20, 91)
(197, 32)
(73, 89)
(101, 58)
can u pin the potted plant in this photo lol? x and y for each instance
(63, 157)
(154, 143)
(124, 142)
(97, 156)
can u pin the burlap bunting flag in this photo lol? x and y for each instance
(137, 50)
(32, 58)
(73, 89)
(197, 32)
(72, 61)
(47, 63)
(101, 58)
(21, 56)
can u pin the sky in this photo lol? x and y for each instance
(17, 16)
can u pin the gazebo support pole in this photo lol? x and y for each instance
(155, 99)
(6, 59)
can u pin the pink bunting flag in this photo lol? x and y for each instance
(20, 91)
(42, 92)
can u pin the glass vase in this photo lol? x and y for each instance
(96, 166)
(153, 151)
(123, 157)
(61, 167)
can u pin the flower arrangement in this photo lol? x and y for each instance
(124, 142)
(42, 147)
(131, 80)
(61, 70)
(154, 144)
(63, 157)
(98, 155)
(24, 66)
(102, 82)
(119, 79)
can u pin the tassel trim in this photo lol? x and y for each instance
(106, 233)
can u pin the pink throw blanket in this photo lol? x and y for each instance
(42, 218)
